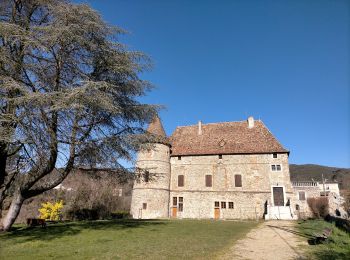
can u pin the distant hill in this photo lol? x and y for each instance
(307, 172)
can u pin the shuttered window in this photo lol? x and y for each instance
(238, 180)
(208, 181)
(301, 195)
(180, 181)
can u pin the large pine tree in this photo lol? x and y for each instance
(69, 94)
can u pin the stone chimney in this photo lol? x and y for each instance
(250, 122)
(199, 127)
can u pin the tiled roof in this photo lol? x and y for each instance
(224, 138)
(156, 127)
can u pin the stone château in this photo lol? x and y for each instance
(230, 170)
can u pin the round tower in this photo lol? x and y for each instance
(150, 195)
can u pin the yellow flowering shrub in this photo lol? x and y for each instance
(51, 211)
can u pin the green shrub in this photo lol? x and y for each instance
(120, 215)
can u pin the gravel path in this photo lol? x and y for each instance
(271, 240)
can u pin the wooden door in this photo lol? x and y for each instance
(278, 198)
(217, 213)
(174, 212)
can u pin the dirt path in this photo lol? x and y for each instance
(271, 240)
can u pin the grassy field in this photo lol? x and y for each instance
(336, 247)
(125, 239)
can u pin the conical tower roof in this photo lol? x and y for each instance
(156, 127)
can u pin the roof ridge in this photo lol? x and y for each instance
(224, 122)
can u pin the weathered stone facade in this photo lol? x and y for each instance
(180, 188)
(232, 170)
(249, 200)
(304, 190)
(150, 198)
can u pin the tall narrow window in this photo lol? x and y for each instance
(223, 204)
(208, 181)
(180, 180)
(238, 180)
(181, 201)
(144, 205)
(146, 176)
(301, 195)
(230, 205)
(174, 201)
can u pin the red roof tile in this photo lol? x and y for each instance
(224, 138)
(156, 127)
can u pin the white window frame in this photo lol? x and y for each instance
(276, 168)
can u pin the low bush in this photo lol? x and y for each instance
(120, 215)
(50, 211)
(319, 206)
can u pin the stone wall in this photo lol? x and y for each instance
(155, 192)
(302, 208)
(334, 199)
(249, 200)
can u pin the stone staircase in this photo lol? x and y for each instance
(280, 212)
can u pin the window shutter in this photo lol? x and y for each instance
(238, 180)
(180, 181)
(208, 181)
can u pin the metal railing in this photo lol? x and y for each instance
(304, 184)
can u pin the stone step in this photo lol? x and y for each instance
(281, 212)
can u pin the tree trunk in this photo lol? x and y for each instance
(13, 212)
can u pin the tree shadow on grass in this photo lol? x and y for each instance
(326, 254)
(58, 230)
(288, 229)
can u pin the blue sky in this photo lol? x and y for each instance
(285, 62)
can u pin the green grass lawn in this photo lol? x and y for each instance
(336, 247)
(124, 239)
